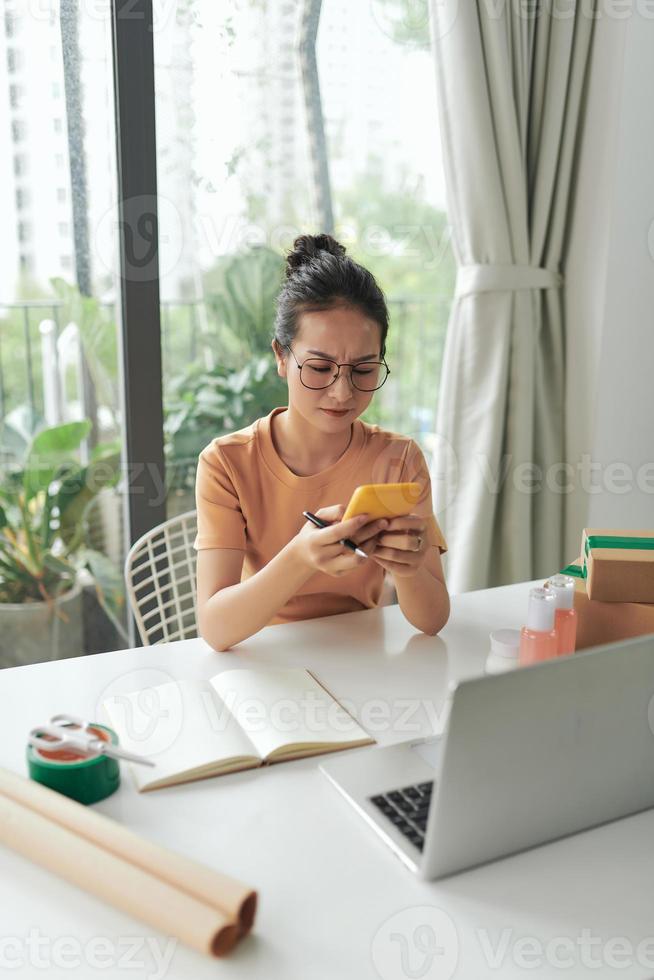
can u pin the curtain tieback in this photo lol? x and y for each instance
(488, 278)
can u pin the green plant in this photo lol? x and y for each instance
(204, 404)
(241, 292)
(98, 335)
(43, 501)
(99, 339)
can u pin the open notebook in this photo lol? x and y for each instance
(239, 719)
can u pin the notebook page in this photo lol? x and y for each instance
(180, 726)
(285, 706)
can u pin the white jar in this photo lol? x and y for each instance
(504, 648)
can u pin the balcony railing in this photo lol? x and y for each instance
(42, 359)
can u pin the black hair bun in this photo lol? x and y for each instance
(308, 247)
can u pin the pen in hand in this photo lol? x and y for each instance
(346, 541)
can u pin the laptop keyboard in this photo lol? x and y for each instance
(407, 809)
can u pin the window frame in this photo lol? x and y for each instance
(139, 300)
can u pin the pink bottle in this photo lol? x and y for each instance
(538, 639)
(565, 619)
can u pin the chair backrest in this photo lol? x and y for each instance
(160, 579)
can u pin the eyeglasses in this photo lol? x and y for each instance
(318, 372)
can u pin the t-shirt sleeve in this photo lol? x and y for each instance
(415, 470)
(221, 523)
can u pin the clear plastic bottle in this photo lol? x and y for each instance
(538, 639)
(565, 619)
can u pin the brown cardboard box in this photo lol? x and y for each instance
(619, 565)
(606, 622)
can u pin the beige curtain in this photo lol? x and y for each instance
(510, 87)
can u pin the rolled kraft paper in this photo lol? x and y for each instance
(232, 897)
(128, 888)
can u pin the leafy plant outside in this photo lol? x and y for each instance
(43, 503)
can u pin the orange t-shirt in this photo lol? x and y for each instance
(247, 498)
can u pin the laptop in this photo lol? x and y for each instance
(527, 757)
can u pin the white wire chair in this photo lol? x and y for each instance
(160, 579)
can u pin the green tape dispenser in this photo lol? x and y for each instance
(77, 758)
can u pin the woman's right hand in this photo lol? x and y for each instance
(320, 548)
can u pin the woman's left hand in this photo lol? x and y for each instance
(402, 547)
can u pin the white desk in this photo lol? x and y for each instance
(332, 895)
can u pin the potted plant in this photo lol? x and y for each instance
(43, 502)
(204, 404)
(241, 292)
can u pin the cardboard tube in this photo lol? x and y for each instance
(128, 888)
(233, 898)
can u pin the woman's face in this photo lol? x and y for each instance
(345, 335)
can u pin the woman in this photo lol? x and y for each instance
(259, 561)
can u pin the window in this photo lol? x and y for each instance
(387, 187)
(36, 250)
(379, 159)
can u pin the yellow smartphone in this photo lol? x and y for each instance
(383, 500)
